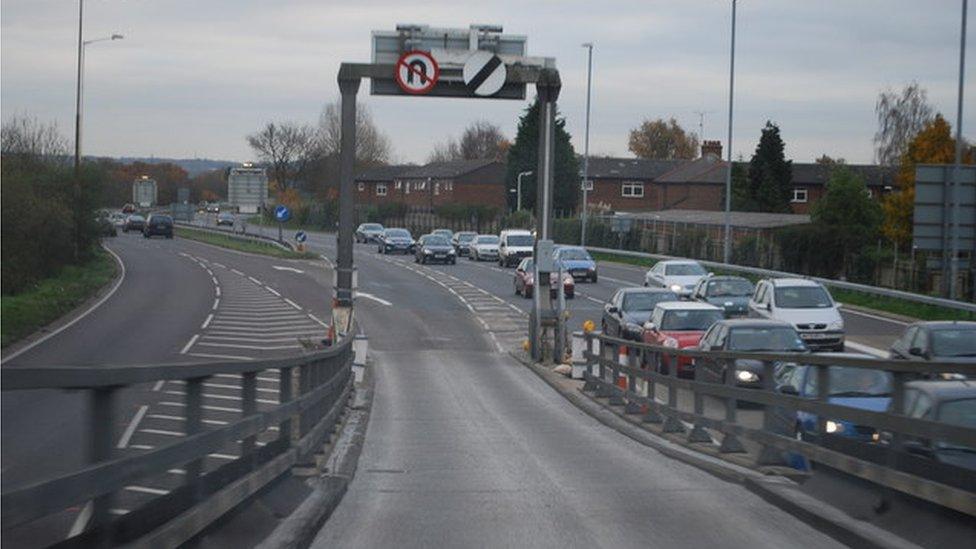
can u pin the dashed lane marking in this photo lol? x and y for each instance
(293, 304)
(190, 343)
(207, 321)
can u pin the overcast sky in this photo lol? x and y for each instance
(193, 78)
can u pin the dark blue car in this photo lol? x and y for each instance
(577, 262)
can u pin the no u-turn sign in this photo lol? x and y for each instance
(416, 72)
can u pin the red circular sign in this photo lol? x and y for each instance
(416, 72)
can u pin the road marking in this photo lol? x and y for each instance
(875, 317)
(235, 271)
(291, 269)
(252, 347)
(205, 407)
(256, 281)
(131, 428)
(228, 357)
(862, 348)
(142, 447)
(159, 385)
(273, 291)
(97, 304)
(222, 456)
(222, 266)
(81, 521)
(190, 343)
(147, 490)
(118, 512)
(217, 291)
(225, 397)
(316, 319)
(328, 261)
(374, 298)
(238, 376)
(293, 304)
(163, 432)
(216, 302)
(206, 322)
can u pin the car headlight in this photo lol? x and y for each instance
(836, 325)
(746, 376)
(427, 252)
(834, 427)
(676, 288)
(451, 252)
(671, 343)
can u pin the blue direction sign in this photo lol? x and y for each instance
(282, 213)
(300, 236)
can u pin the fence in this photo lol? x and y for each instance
(313, 390)
(632, 385)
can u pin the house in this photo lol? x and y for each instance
(466, 182)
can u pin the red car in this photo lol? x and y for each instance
(524, 282)
(680, 325)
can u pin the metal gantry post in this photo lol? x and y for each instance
(194, 424)
(727, 247)
(284, 396)
(344, 272)
(100, 449)
(249, 406)
(956, 175)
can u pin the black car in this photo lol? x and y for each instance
(369, 232)
(158, 224)
(943, 341)
(729, 293)
(134, 222)
(746, 335)
(627, 311)
(462, 241)
(434, 248)
(952, 402)
(225, 218)
(396, 241)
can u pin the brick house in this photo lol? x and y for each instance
(466, 182)
(627, 184)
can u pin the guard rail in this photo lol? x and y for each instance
(243, 236)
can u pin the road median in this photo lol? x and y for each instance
(239, 243)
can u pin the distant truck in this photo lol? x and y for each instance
(144, 192)
(247, 188)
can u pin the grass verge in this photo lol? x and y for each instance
(910, 309)
(240, 244)
(52, 298)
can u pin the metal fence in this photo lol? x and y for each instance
(633, 385)
(313, 390)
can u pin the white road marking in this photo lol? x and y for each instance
(216, 302)
(205, 407)
(862, 348)
(142, 446)
(222, 456)
(81, 521)
(291, 269)
(251, 347)
(147, 490)
(131, 428)
(224, 397)
(256, 281)
(372, 297)
(293, 304)
(316, 319)
(86, 312)
(190, 343)
(235, 271)
(273, 291)
(222, 266)
(875, 317)
(238, 376)
(207, 321)
(327, 261)
(217, 291)
(117, 512)
(163, 432)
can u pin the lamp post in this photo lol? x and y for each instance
(956, 182)
(586, 139)
(518, 200)
(79, 91)
(727, 249)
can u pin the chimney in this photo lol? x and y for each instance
(711, 148)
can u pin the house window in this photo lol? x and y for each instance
(588, 185)
(799, 196)
(381, 189)
(420, 186)
(398, 185)
(448, 185)
(437, 188)
(632, 189)
(361, 186)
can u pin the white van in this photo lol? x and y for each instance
(513, 246)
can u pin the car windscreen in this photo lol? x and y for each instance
(802, 297)
(436, 240)
(684, 269)
(574, 254)
(462, 237)
(960, 412)
(136, 218)
(730, 288)
(528, 265)
(689, 320)
(372, 227)
(846, 381)
(953, 342)
(398, 233)
(490, 239)
(519, 240)
(162, 219)
(645, 301)
(444, 232)
(765, 338)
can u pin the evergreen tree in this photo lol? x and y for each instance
(848, 211)
(768, 186)
(524, 154)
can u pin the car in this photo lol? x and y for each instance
(678, 275)
(943, 341)
(805, 304)
(524, 281)
(396, 241)
(679, 325)
(134, 222)
(853, 387)
(513, 246)
(213, 208)
(368, 232)
(943, 401)
(577, 262)
(105, 226)
(118, 218)
(629, 308)
(730, 293)
(446, 233)
(462, 241)
(433, 248)
(225, 218)
(746, 335)
(484, 247)
(158, 224)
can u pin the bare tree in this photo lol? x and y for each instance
(480, 140)
(445, 152)
(29, 138)
(900, 117)
(288, 148)
(663, 139)
(372, 147)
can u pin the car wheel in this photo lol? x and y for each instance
(594, 278)
(517, 292)
(454, 262)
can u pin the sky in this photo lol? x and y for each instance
(192, 79)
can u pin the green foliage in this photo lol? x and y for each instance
(519, 220)
(241, 244)
(769, 185)
(524, 154)
(847, 207)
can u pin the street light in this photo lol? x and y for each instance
(82, 44)
(586, 139)
(727, 250)
(518, 201)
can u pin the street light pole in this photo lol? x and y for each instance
(727, 250)
(518, 200)
(956, 182)
(81, 12)
(586, 139)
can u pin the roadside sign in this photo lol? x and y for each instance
(282, 213)
(484, 73)
(416, 72)
(300, 236)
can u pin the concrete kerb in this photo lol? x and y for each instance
(300, 528)
(777, 490)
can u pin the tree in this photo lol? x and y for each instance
(900, 118)
(480, 140)
(445, 152)
(933, 145)
(848, 209)
(288, 148)
(660, 139)
(523, 156)
(826, 160)
(372, 147)
(28, 138)
(769, 184)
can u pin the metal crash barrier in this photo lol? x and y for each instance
(313, 391)
(629, 373)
